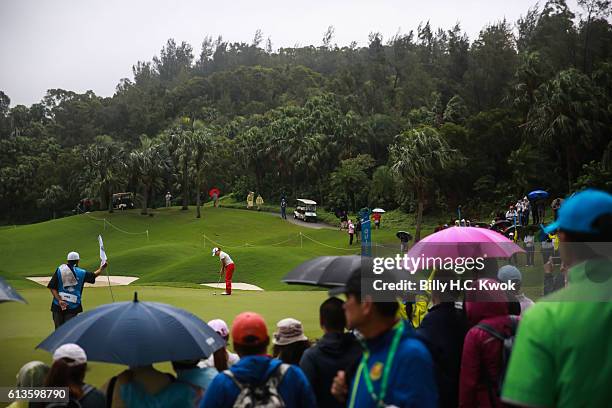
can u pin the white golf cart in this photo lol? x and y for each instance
(305, 210)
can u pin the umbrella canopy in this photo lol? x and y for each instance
(537, 195)
(214, 192)
(404, 236)
(325, 271)
(378, 210)
(8, 293)
(463, 242)
(137, 334)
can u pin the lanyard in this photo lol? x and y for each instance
(378, 399)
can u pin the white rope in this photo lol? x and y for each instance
(324, 244)
(124, 231)
(223, 246)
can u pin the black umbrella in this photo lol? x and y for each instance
(325, 271)
(8, 293)
(403, 236)
(137, 334)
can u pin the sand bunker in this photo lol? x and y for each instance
(235, 285)
(102, 280)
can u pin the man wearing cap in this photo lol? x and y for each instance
(396, 368)
(227, 266)
(561, 355)
(256, 368)
(66, 286)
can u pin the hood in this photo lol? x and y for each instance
(483, 304)
(254, 369)
(336, 344)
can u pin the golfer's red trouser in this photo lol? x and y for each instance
(229, 272)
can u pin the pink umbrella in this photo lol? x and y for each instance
(464, 242)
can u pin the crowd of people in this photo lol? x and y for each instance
(478, 348)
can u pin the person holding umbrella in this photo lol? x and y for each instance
(66, 286)
(227, 267)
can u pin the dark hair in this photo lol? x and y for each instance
(220, 358)
(184, 364)
(331, 314)
(72, 263)
(291, 353)
(62, 374)
(386, 309)
(603, 224)
(251, 349)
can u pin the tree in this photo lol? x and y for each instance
(106, 172)
(181, 153)
(350, 182)
(415, 156)
(148, 163)
(52, 197)
(201, 145)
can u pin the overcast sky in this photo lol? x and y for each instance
(92, 44)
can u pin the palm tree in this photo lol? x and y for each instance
(415, 156)
(201, 146)
(147, 164)
(52, 196)
(106, 172)
(180, 150)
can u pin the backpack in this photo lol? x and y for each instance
(265, 395)
(72, 402)
(507, 344)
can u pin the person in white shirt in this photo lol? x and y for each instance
(227, 267)
(529, 241)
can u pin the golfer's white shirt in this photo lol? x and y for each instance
(225, 258)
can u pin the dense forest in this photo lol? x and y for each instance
(425, 120)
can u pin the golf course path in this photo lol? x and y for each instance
(313, 225)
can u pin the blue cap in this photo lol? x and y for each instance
(579, 212)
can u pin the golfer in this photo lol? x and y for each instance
(227, 266)
(66, 286)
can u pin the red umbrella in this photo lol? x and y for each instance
(214, 192)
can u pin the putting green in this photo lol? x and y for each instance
(24, 326)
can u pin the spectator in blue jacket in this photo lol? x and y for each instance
(396, 368)
(255, 368)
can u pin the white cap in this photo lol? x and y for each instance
(73, 256)
(220, 327)
(71, 351)
(215, 249)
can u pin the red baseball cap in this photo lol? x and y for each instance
(249, 328)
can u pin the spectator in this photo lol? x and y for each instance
(376, 216)
(511, 274)
(149, 380)
(547, 249)
(283, 207)
(32, 374)
(511, 214)
(481, 361)
(541, 211)
(250, 199)
(561, 356)
(358, 229)
(168, 199)
(257, 371)
(351, 231)
(396, 368)
(443, 330)
(289, 341)
(526, 210)
(529, 241)
(68, 370)
(335, 351)
(554, 281)
(555, 205)
(259, 201)
(221, 359)
(66, 286)
(343, 220)
(188, 372)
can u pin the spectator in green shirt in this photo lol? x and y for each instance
(562, 356)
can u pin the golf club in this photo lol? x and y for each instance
(217, 286)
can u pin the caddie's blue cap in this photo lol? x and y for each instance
(579, 212)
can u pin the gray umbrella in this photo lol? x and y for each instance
(8, 293)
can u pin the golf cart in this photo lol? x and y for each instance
(123, 201)
(305, 210)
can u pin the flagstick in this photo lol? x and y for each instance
(109, 285)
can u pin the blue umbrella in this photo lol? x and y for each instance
(537, 195)
(137, 334)
(8, 293)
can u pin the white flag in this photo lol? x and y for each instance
(102, 252)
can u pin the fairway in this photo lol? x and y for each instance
(24, 326)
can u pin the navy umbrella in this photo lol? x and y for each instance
(8, 293)
(325, 271)
(537, 195)
(137, 334)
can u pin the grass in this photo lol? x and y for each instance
(25, 326)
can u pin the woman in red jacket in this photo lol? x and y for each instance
(481, 361)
